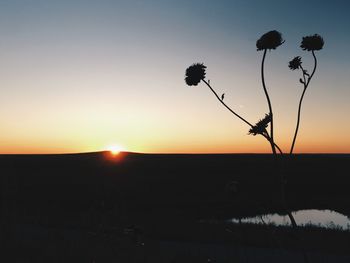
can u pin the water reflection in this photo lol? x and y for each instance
(322, 218)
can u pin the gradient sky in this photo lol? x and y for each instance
(82, 75)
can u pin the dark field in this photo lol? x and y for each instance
(75, 208)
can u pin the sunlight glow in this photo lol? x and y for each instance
(115, 149)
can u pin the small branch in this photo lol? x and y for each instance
(266, 136)
(227, 107)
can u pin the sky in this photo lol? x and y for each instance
(79, 76)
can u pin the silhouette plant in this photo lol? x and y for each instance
(309, 43)
(268, 41)
(271, 40)
(196, 73)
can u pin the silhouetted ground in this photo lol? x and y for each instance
(73, 208)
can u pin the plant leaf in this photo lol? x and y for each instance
(305, 73)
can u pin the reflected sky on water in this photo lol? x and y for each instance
(323, 218)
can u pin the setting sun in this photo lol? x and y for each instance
(115, 149)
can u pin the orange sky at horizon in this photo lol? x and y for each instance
(257, 145)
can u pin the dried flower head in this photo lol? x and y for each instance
(195, 73)
(261, 125)
(311, 43)
(295, 63)
(270, 40)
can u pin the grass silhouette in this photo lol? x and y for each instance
(268, 41)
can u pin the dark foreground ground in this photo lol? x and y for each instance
(147, 208)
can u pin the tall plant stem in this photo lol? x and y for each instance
(268, 101)
(266, 135)
(306, 84)
(298, 118)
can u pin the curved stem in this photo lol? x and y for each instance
(299, 112)
(266, 136)
(278, 148)
(306, 84)
(315, 66)
(268, 101)
(270, 141)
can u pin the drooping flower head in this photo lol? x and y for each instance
(270, 40)
(261, 125)
(295, 63)
(311, 43)
(195, 73)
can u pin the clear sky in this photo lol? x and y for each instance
(79, 76)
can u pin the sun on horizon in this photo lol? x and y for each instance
(115, 149)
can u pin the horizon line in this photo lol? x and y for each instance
(179, 153)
